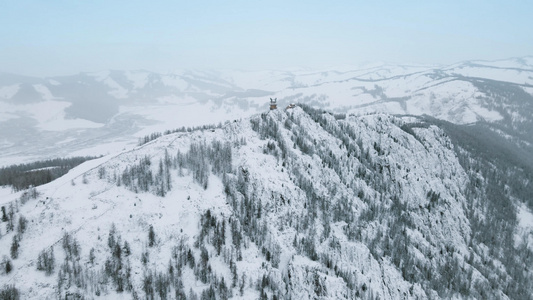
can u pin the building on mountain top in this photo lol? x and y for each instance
(273, 103)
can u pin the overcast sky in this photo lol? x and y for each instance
(52, 37)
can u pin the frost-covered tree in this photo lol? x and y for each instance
(151, 236)
(46, 261)
(15, 245)
(9, 292)
(22, 225)
(7, 265)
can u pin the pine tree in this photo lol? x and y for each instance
(15, 247)
(92, 257)
(192, 295)
(4, 215)
(151, 236)
(22, 225)
(148, 285)
(10, 219)
(111, 237)
(9, 292)
(8, 266)
(126, 249)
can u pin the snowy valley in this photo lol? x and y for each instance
(104, 112)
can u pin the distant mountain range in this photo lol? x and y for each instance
(94, 113)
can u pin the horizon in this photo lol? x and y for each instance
(347, 68)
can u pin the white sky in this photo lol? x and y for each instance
(61, 37)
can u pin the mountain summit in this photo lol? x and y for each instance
(295, 203)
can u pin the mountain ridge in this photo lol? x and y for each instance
(309, 204)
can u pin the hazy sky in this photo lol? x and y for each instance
(55, 37)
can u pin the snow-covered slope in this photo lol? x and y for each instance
(66, 115)
(293, 204)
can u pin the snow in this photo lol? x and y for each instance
(175, 81)
(416, 165)
(50, 116)
(5, 194)
(105, 148)
(184, 112)
(54, 82)
(138, 78)
(525, 226)
(87, 210)
(522, 62)
(61, 124)
(506, 75)
(100, 76)
(6, 116)
(118, 91)
(8, 91)
(528, 90)
(192, 98)
(44, 91)
(265, 80)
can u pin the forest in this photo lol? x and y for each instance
(23, 176)
(337, 197)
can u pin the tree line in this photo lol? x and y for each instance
(23, 176)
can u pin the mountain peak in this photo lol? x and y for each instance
(300, 202)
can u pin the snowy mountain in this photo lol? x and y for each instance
(103, 112)
(291, 204)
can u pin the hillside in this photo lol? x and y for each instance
(289, 204)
